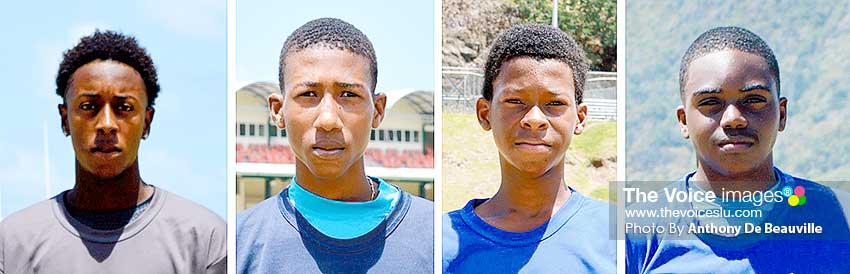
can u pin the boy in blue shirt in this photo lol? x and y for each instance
(732, 111)
(333, 218)
(532, 91)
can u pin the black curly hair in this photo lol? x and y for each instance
(538, 42)
(332, 33)
(108, 45)
(726, 38)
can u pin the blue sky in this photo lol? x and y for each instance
(186, 151)
(402, 33)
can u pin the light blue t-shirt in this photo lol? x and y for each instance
(344, 220)
(800, 252)
(576, 239)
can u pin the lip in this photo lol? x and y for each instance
(735, 145)
(328, 151)
(105, 151)
(536, 145)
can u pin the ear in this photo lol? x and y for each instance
(63, 114)
(380, 101)
(783, 112)
(149, 111)
(276, 110)
(683, 122)
(482, 110)
(581, 111)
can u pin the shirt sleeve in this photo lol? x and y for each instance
(217, 256)
(2, 248)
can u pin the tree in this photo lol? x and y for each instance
(593, 24)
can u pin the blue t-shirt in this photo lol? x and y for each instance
(577, 239)
(344, 220)
(714, 252)
(273, 237)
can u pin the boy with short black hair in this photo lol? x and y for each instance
(112, 221)
(531, 100)
(333, 218)
(732, 112)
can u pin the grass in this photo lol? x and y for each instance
(471, 163)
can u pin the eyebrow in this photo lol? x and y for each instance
(752, 87)
(96, 95)
(312, 84)
(349, 85)
(706, 91)
(308, 84)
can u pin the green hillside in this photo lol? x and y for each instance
(471, 161)
(810, 40)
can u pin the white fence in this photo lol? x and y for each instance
(462, 87)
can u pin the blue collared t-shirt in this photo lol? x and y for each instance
(274, 237)
(715, 252)
(344, 220)
(576, 239)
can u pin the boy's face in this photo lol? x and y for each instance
(731, 111)
(533, 113)
(327, 108)
(106, 114)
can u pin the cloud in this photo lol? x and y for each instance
(200, 18)
(23, 177)
(49, 55)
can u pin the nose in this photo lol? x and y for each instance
(106, 120)
(534, 119)
(328, 119)
(733, 118)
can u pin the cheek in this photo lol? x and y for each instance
(701, 126)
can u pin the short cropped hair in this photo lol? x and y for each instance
(726, 38)
(538, 42)
(330, 33)
(108, 45)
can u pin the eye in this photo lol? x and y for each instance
(125, 107)
(754, 100)
(87, 106)
(308, 93)
(349, 94)
(556, 103)
(708, 102)
(514, 101)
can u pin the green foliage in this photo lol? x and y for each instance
(810, 43)
(593, 23)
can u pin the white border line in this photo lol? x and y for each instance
(231, 136)
(438, 136)
(621, 128)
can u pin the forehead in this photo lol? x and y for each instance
(322, 64)
(522, 73)
(727, 69)
(103, 77)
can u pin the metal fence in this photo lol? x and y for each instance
(462, 87)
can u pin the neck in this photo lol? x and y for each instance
(759, 178)
(531, 196)
(92, 193)
(349, 186)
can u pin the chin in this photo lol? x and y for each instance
(327, 172)
(734, 167)
(106, 172)
(535, 170)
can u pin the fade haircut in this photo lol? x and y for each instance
(329, 33)
(539, 42)
(108, 45)
(727, 38)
